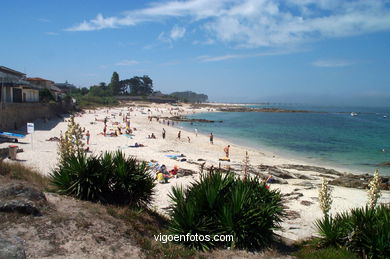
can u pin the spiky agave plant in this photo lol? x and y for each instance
(81, 177)
(219, 204)
(131, 183)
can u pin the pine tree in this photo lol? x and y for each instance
(115, 85)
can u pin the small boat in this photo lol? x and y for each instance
(384, 116)
(354, 114)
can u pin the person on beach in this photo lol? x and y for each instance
(105, 121)
(179, 135)
(189, 140)
(226, 150)
(196, 132)
(211, 138)
(163, 133)
(88, 135)
(105, 130)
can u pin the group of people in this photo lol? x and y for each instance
(163, 175)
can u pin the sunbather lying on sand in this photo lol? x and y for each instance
(56, 139)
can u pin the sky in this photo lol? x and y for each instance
(295, 51)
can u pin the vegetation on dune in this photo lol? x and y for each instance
(189, 96)
(364, 231)
(16, 171)
(110, 178)
(220, 204)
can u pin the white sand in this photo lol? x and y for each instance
(43, 157)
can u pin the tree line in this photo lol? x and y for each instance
(135, 86)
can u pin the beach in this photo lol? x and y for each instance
(189, 152)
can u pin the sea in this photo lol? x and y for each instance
(328, 136)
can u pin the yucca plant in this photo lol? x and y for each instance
(365, 231)
(110, 178)
(220, 204)
(131, 182)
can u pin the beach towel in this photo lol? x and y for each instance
(129, 135)
(224, 159)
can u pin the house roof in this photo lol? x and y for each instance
(55, 88)
(11, 71)
(38, 79)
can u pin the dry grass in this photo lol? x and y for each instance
(16, 171)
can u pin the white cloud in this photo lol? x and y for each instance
(259, 23)
(126, 62)
(333, 63)
(177, 32)
(206, 58)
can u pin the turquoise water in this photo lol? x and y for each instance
(333, 138)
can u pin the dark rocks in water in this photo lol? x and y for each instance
(185, 119)
(12, 249)
(306, 203)
(317, 169)
(251, 109)
(360, 181)
(19, 198)
(385, 164)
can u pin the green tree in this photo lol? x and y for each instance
(138, 85)
(115, 85)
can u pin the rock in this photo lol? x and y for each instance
(359, 181)
(293, 195)
(275, 171)
(185, 172)
(292, 214)
(306, 203)
(19, 206)
(19, 190)
(11, 249)
(312, 168)
(385, 164)
(306, 184)
(20, 198)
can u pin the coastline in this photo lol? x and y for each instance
(300, 195)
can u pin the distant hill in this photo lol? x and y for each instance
(189, 96)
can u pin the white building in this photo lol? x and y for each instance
(15, 89)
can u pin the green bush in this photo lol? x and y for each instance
(110, 178)
(365, 231)
(220, 204)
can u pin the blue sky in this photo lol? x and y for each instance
(308, 51)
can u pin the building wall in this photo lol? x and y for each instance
(31, 95)
(16, 115)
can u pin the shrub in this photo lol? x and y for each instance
(110, 178)
(365, 231)
(71, 142)
(219, 204)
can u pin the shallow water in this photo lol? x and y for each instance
(359, 142)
